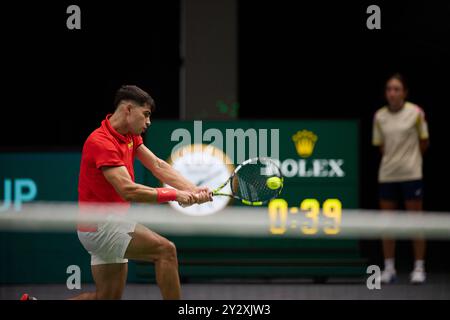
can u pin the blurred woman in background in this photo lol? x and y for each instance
(401, 132)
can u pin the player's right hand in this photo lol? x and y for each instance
(186, 198)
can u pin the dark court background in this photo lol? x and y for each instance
(295, 60)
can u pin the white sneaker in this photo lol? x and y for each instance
(388, 276)
(417, 276)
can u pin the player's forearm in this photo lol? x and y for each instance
(139, 193)
(173, 178)
(163, 171)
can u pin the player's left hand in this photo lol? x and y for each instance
(203, 194)
(203, 189)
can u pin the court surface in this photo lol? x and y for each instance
(437, 287)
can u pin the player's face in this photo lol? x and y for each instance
(139, 119)
(395, 93)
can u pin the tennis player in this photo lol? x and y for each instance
(107, 176)
(401, 132)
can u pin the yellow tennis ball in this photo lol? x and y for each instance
(274, 183)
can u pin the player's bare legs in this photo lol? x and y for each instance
(110, 280)
(147, 245)
(418, 244)
(389, 274)
(388, 244)
(418, 274)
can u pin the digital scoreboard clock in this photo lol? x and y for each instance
(306, 218)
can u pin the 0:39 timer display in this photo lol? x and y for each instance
(306, 218)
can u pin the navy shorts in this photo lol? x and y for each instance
(401, 191)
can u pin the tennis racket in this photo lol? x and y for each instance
(249, 182)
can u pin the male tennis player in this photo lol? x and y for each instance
(107, 176)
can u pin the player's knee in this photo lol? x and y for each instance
(168, 250)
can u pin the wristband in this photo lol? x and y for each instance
(166, 194)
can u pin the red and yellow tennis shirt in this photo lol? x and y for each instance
(105, 147)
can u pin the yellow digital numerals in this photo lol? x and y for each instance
(306, 219)
(278, 212)
(332, 209)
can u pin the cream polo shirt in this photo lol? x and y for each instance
(399, 133)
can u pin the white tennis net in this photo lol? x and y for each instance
(237, 221)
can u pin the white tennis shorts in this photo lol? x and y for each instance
(110, 242)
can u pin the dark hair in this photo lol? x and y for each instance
(135, 94)
(401, 78)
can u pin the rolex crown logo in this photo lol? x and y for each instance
(304, 142)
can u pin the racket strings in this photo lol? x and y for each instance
(250, 182)
(247, 189)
